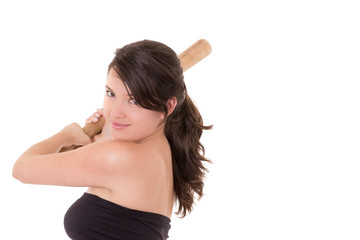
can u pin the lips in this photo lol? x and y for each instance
(118, 125)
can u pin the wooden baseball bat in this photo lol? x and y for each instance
(191, 56)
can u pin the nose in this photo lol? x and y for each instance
(118, 111)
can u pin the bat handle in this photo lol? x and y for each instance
(92, 129)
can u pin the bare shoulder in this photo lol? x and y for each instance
(129, 159)
(143, 175)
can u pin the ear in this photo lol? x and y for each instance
(171, 104)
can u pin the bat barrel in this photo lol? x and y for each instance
(194, 54)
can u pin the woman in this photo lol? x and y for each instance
(147, 157)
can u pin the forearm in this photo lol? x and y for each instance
(50, 145)
(35, 163)
(28, 161)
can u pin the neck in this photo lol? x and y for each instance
(158, 133)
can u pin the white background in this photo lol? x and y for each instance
(281, 88)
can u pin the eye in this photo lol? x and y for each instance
(110, 93)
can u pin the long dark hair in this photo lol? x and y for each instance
(153, 74)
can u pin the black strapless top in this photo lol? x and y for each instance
(92, 217)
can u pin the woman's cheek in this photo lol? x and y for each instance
(106, 108)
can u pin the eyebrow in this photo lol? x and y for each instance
(106, 86)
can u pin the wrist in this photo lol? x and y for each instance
(65, 137)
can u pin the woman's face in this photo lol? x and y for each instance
(125, 120)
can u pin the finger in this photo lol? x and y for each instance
(91, 119)
(94, 119)
(101, 111)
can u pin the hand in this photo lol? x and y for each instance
(94, 118)
(76, 135)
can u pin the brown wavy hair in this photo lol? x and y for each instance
(152, 72)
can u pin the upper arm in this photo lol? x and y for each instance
(94, 165)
